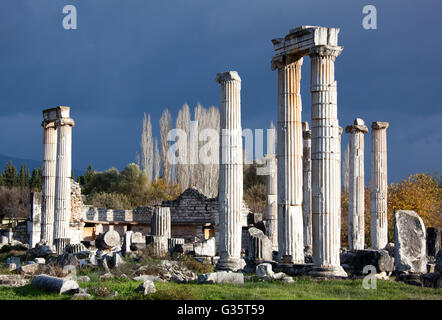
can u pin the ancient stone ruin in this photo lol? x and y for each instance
(300, 233)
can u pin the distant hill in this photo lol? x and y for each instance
(30, 163)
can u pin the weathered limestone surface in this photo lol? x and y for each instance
(378, 186)
(260, 247)
(289, 149)
(434, 241)
(409, 242)
(356, 202)
(161, 222)
(49, 172)
(272, 201)
(34, 222)
(307, 186)
(108, 240)
(230, 172)
(62, 213)
(325, 159)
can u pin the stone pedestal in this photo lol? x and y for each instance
(161, 222)
(49, 172)
(356, 202)
(378, 186)
(272, 201)
(325, 163)
(289, 149)
(62, 214)
(307, 187)
(230, 172)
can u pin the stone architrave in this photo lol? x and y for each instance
(62, 212)
(307, 186)
(230, 172)
(378, 186)
(272, 201)
(161, 222)
(49, 172)
(356, 202)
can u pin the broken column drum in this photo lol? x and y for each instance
(49, 172)
(356, 196)
(307, 186)
(161, 222)
(289, 150)
(378, 186)
(230, 172)
(62, 214)
(272, 201)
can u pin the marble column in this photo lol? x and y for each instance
(307, 186)
(272, 201)
(62, 214)
(378, 186)
(161, 222)
(289, 150)
(49, 171)
(325, 155)
(356, 202)
(230, 172)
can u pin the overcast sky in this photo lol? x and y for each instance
(131, 57)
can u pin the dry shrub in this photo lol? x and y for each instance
(100, 291)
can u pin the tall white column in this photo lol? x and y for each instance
(49, 172)
(62, 215)
(272, 201)
(230, 172)
(307, 186)
(378, 186)
(161, 222)
(356, 202)
(325, 163)
(289, 150)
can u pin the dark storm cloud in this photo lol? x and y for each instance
(130, 57)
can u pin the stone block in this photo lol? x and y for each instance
(434, 238)
(205, 248)
(264, 270)
(410, 242)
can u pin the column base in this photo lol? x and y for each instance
(60, 244)
(230, 264)
(328, 272)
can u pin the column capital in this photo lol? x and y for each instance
(64, 122)
(48, 124)
(326, 51)
(281, 61)
(378, 125)
(227, 76)
(357, 126)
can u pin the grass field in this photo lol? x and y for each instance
(303, 288)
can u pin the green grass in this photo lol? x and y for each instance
(303, 288)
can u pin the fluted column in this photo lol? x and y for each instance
(161, 222)
(289, 149)
(49, 172)
(356, 202)
(307, 186)
(325, 163)
(62, 213)
(272, 201)
(230, 172)
(378, 186)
